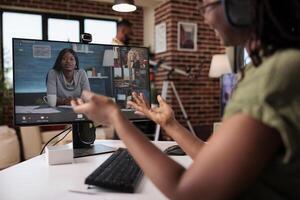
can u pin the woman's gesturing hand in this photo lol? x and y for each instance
(97, 108)
(161, 115)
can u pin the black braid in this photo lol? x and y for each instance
(276, 26)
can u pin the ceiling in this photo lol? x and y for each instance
(142, 3)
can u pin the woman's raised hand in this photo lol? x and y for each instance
(161, 115)
(139, 104)
(97, 108)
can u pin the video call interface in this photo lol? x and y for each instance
(42, 94)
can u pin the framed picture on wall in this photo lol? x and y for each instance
(187, 36)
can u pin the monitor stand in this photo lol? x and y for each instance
(83, 139)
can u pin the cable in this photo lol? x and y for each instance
(53, 139)
(62, 138)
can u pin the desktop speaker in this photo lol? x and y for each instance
(84, 134)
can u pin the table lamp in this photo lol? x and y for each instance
(219, 66)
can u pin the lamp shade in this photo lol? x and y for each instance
(124, 6)
(108, 58)
(219, 66)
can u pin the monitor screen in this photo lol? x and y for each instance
(48, 74)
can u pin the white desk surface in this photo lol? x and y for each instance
(34, 179)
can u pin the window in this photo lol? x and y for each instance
(63, 30)
(102, 30)
(60, 28)
(17, 25)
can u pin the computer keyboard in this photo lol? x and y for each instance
(119, 172)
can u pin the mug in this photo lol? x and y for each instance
(50, 99)
(89, 73)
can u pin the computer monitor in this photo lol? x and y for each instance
(44, 79)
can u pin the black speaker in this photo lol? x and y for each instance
(239, 13)
(84, 134)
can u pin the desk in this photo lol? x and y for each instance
(34, 179)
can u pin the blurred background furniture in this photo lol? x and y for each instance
(9, 147)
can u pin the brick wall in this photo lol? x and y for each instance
(200, 96)
(76, 8)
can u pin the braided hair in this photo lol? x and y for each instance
(276, 26)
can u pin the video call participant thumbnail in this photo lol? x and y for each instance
(65, 79)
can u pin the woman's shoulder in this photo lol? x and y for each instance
(287, 63)
(291, 52)
(286, 57)
(278, 66)
(81, 71)
(277, 73)
(81, 74)
(52, 72)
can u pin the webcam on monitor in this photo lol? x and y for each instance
(86, 37)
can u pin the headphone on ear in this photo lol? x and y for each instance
(239, 13)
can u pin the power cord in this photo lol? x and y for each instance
(53, 139)
(62, 138)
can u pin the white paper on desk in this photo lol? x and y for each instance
(95, 193)
(105, 196)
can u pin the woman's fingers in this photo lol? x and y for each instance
(97, 108)
(143, 99)
(76, 102)
(141, 96)
(139, 113)
(87, 95)
(139, 99)
(80, 108)
(137, 107)
(132, 104)
(136, 98)
(82, 105)
(160, 100)
(79, 101)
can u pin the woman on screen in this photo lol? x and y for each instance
(255, 153)
(133, 59)
(65, 79)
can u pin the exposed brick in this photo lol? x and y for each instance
(201, 96)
